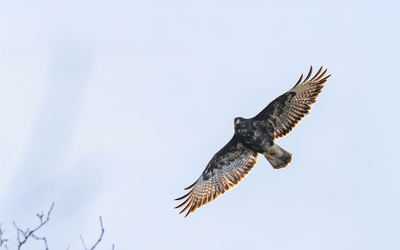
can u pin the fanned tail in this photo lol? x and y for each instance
(278, 157)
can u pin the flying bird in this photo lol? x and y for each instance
(253, 136)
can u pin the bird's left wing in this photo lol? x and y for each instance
(225, 170)
(286, 111)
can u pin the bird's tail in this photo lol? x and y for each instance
(278, 157)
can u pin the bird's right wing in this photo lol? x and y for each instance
(286, 111)
(225, 170)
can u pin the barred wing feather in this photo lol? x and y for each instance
(225, 170)
(286, 111)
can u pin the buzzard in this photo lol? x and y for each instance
(252, 136)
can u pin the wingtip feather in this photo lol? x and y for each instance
(183, 197)
(299, 81)
(190, 186)
(183, 203)
(309, 74)
(320, 76)
(187, 206)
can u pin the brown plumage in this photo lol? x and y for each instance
(252, 136)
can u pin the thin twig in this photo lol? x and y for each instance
(100, 238)
(83, 242)
(43, 238)
(1, 236)
(23, 236)
(30, 233)
(101, 235)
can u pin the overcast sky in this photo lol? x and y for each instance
(111, 108)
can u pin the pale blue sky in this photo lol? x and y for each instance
(111, 108)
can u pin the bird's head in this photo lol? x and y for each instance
(238, 123)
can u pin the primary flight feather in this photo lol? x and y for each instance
(252, 136)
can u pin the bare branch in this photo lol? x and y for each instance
(30, 233)
(83, 243)
(98, 241)
(43, 238)
(23, 236)
(101, 235)
(2, 241)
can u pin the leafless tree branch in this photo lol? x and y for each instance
(43, 238)
(2, 241)
(83, 243)
(30, 233)
(98, 241)
(23, 236)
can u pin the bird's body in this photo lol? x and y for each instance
(253, 136)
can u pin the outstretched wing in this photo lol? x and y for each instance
(225, 170)
(286, 111)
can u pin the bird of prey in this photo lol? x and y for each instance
(252, 136)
